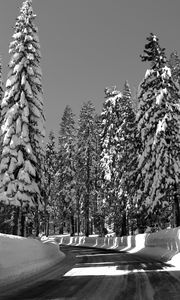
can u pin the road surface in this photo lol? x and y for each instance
(97, 274)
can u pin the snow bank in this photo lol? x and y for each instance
(20, 257)
(162, 246)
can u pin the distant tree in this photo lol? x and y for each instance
(158, 123)
(66, 173)
(85, 162)
(23, 119)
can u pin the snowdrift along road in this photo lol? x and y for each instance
(163, 246)
(21, 257)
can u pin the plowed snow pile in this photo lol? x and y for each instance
(20, 257)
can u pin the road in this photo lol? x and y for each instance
(97, 274)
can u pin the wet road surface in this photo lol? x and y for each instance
(97, 274)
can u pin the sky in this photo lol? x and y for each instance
(88, 45)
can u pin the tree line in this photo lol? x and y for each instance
(119, 169)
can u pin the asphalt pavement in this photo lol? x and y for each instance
(97, 274)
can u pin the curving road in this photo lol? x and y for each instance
(97, 274)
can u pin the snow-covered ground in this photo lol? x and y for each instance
(21, 257)
(162, 246)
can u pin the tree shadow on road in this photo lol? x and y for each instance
(104, 274)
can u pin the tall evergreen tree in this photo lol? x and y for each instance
(23, 119)
(85, 163)
(127, 156)
(66, 173)
(1, 81)
(111, 118)
(50, 170)
(159, 126)
(1, 97)
(97, 201)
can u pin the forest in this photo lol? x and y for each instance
(115, 171)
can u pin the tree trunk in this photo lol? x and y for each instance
(72, 225)
(87, 216)
(47, 229)
(86, 226)
(22, 222)
(78, 214)
(87, 196)
(19, 220)
(36, 221)
(117, 228)
(176, 210)
(78, 224)
(124, 227)
(61, 231)
(91, 228)
(15, 220)
(96, 180)
(47, 224)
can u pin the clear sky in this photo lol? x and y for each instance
(87, 45)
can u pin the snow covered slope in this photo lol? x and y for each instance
(20, 256)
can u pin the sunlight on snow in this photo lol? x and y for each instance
(15, 237)
(111, 271)
(96, 271)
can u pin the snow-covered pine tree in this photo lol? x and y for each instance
(85, 162)
(174, 65)
(97, 201)
(135, 99)
(110, 122)
(159, 126)
(127, 156)
(50, 170)
(1, 97)
(110, 146)
(66, 169)
(23, 119)
(1, 81)
(6, 219)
